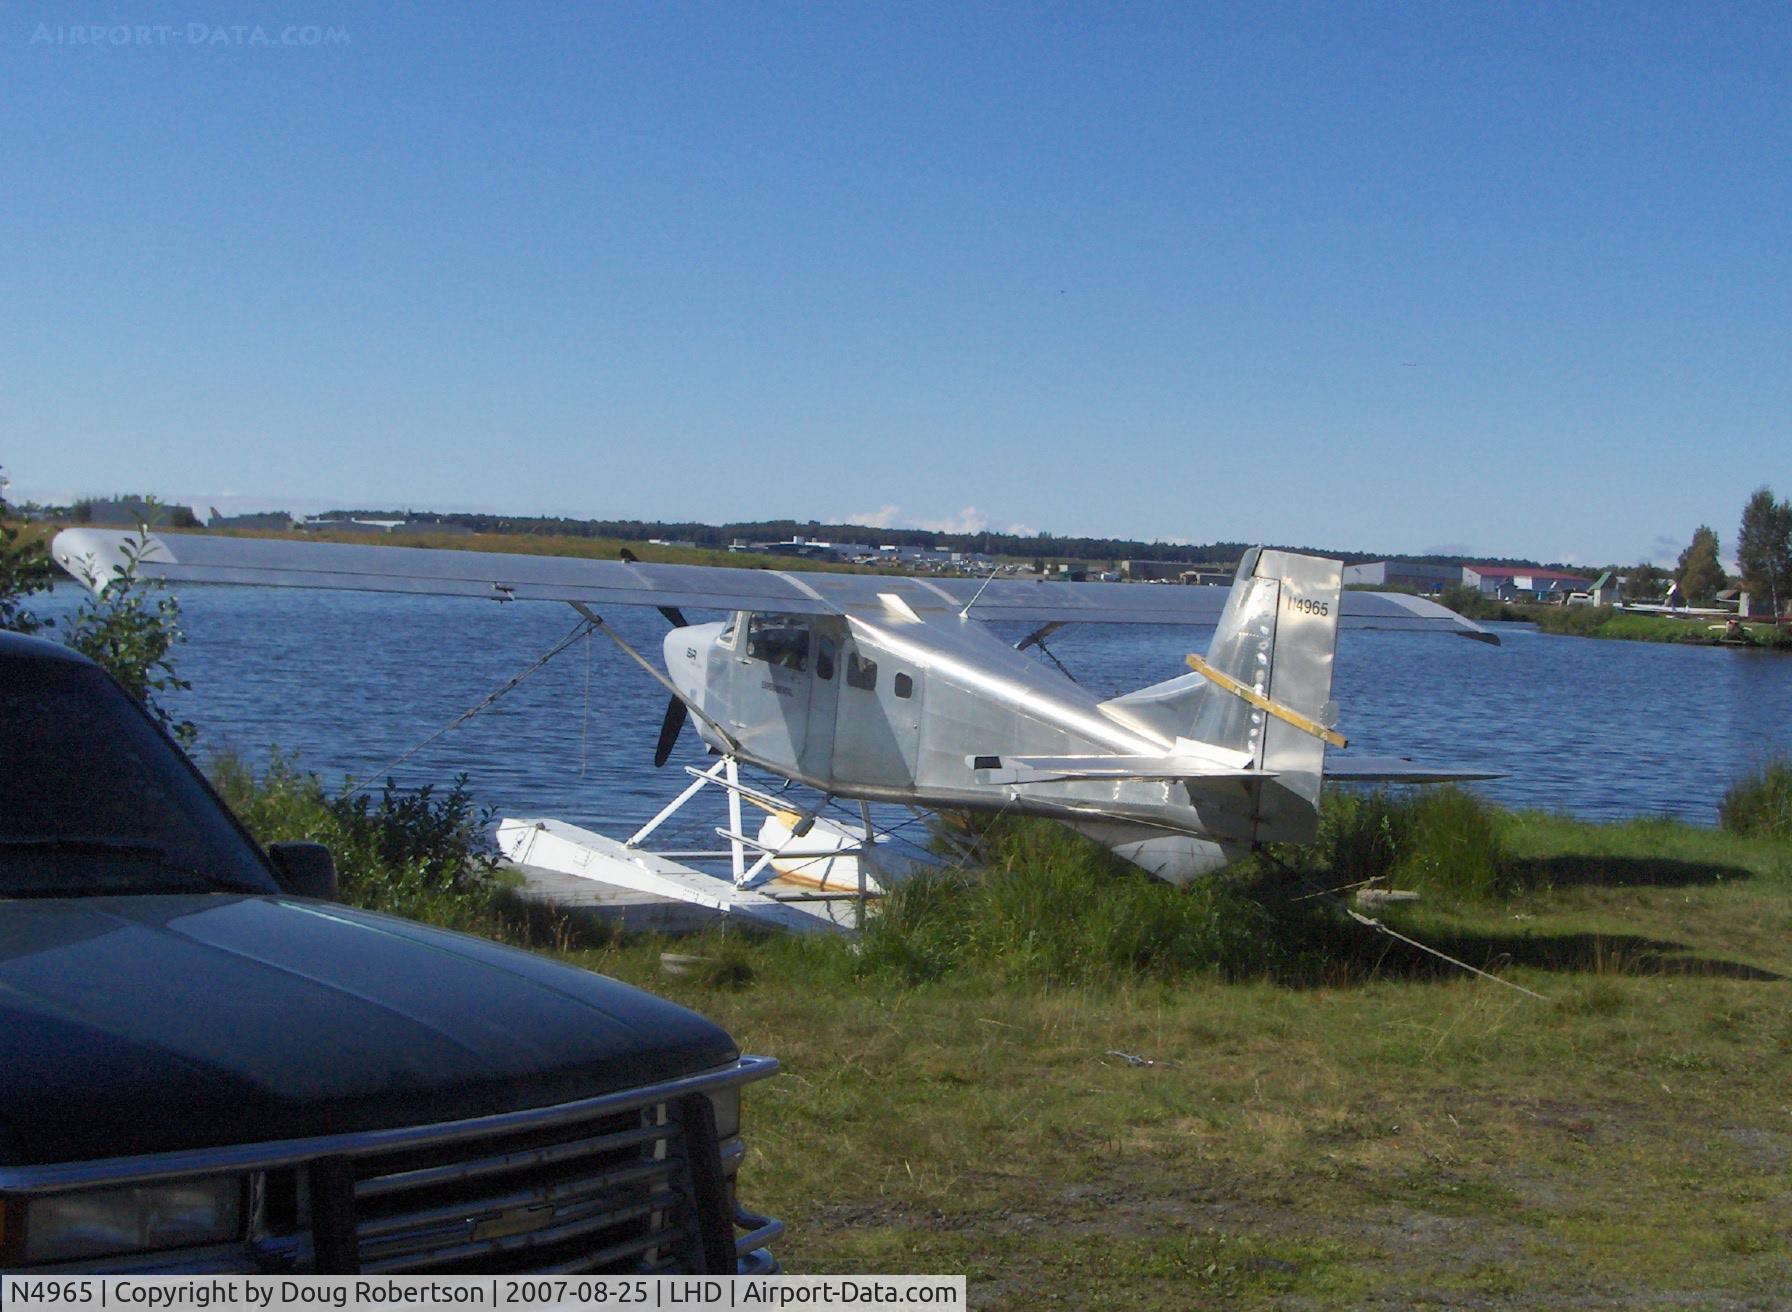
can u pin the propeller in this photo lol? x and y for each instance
(676, 711)
(676, 715)
(674, 616)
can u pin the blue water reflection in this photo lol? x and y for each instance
(351, 681)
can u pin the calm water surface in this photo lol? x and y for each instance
(351, 681)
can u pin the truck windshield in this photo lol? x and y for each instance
(95, 801)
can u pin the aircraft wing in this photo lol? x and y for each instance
(501, 575)
(496, 575)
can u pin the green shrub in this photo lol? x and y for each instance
(1760, 803)
(25, 568)
(422, 855)
(1442, 841)
(1574, 621)
(1471, 603)
(1453, 848)
(1048, 905)
(1361, 835)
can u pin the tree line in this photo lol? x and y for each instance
(1763, 557)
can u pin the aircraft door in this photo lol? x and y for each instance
(877, 730)
(824, 700)
(769, 682)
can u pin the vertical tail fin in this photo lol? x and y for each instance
(1276, 639)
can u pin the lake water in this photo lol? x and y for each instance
(351, 681)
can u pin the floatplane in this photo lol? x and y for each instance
(879, 689)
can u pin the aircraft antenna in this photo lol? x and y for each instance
(965, 613)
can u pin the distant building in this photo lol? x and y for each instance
(1170, 571)
(806, 549)
(913, 555)
(1426, 579)
(345, 525)
(1606, 590)
(133, 512)
(1524, 582)
(442, 527)
(1208, 576)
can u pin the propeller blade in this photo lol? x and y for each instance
(676, 715)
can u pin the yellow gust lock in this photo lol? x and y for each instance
(1286, 714)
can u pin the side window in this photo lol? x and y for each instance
(730, 631)
(859, 673)
(781, 640)
(905, 686)
(824, 658)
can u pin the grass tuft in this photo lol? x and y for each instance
(1760, 803)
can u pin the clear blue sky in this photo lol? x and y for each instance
(1487, 278)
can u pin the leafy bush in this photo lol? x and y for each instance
(1760, 803)
(131, 625)
(420, 854)
(25, 568)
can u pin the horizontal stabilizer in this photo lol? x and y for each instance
(1397, 770)
(1056, 769)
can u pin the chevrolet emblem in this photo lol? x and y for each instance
(511, 1221)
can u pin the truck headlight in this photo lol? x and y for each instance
(134, 1219)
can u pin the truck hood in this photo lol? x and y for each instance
(145, 1024)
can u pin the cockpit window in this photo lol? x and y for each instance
(730, 631)
(860, 673)
(824, 658)
(781, 640)
(94, 801)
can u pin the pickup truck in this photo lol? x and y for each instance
(209, 1065)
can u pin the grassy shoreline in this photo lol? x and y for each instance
(1610, 623)
(1086, 1090)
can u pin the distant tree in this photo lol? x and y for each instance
(1764, 549)
(1643, 582)
(1701, 577)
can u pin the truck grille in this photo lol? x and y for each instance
(612, 1194)
(629, 1182)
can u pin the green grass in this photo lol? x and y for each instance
(1086, 1090)
(1378, 1129)
(551, 544)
